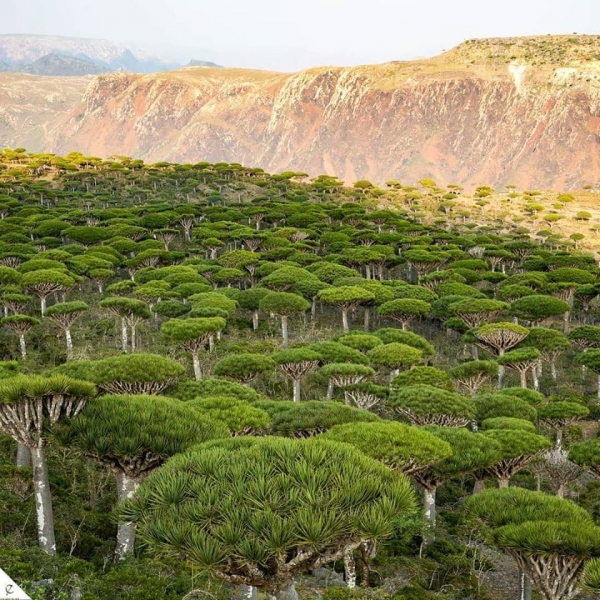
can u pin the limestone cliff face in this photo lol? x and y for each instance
(522, 111)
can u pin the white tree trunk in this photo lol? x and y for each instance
(350, 569)
(23, 346)
(124, 337)
(255, 320)
(345, 325)
(197, 369)
(296, 390)
(126, 488)
(69, 344)
(284, 330)
(23, 456)
(43, 501)
(429, 506)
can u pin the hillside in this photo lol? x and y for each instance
(195, 341)
(523, 111)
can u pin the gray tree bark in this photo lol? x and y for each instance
(197, 369)
(69, 340)
(23, 456)
(126, 488)
(284, 330)
(43, 500)
(296, 385)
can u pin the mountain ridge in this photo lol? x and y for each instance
(522, 111)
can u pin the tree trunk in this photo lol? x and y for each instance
(536, 379)
(23, 456)
(197, 369)
(478, 486)
(553, 371)
(69, 344)
(501, 371)
(350, 569)
(124, 335)
(126, 488)
(329, 394)
(244, 592)
(284, 330)
(503, 482)
(524, 586)
(345, 325)
(296, 390)
(43, 305)
(561, 491)
(133, 338)
(255, 320)
(43, 500)
(566, 318)
(288, 593)
(429, 506)
(23, 346)
(367, 317)
(559, 438)
(523, 375)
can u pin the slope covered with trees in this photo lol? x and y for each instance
(221, 383)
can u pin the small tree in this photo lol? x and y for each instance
(250, 300)
(345, 374)
(404, 310)
(591, 360)
(131, 312)
(423, 375)
(193, 335)
(550, 343)
(522, 360)
(394, 357)
(20, 325)
(296, 364)
(428, 405)
(549, 538)
(471, 376)
(271, 548)
(559, 415)
(345, 298)
(519, 448)
(559, 470)
(490, 406)
(498, 338)
(29, 407)
(537, 308)
(587, 455)
(133, 436)
(284, 305)
(64, 315)
(243, 367)
(133, 373)
(46, 282)
(474, 312)
(470, 452)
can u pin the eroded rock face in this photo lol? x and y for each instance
(525, 112)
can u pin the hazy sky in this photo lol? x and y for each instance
(288, 35)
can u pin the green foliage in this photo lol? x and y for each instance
(306, 419)
(420, 375)
(428, 405)
(400, 447)
(240, 417)
(213, 386)
(359, 498)
(489, 406)
(394, 356)
(243, 367)
(120, 431)
(508, 423)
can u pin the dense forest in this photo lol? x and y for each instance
(219, 383)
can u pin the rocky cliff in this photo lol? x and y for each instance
(522, 111)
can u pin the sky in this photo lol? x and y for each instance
(288, 35)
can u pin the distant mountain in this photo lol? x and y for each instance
(59, 65)
(70, 56)
(521, 111)
(203, 63)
